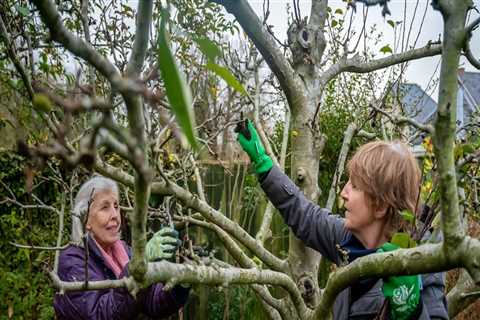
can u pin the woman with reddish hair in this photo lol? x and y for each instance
(384, 180)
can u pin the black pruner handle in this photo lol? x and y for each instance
(242, 127)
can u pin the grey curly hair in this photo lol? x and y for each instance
(83, 199)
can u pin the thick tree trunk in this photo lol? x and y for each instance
(304, 262)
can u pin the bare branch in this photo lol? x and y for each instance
(467, 50)
(348, 136)
(30, 206)
(454, 16)
(264, 231)
(13, 56)
(411, 261)
(399, 120)
(462, 294)
(83, 104)
(27, 246)
(355, 64)
(469, 158)
(251, 24)
(142, 33)
(318, 13)
(51, 17)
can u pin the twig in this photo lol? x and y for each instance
(27, 246)
(348, 136)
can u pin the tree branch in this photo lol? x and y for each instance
(264, 230)
(228, 225)
(13, 56)
(142, 33)
(237, 253)
(460, 297)
(52, 19)
(164, 271)
(347, 140)
(205, 210)
(318, 13)
(28, 246)
(256, 31)
(468, 52)
(454, 16)
(423, 259)
(399, 120)
(355, 64)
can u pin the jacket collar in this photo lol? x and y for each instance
(354, 248)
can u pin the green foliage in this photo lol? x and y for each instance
(408, 216)
(386, 49)
(242, 304)
(403, 240)
(25, 288)
(42, 103)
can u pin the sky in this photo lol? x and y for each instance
(419, 71)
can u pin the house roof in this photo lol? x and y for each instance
(471, 84)
(416, 102)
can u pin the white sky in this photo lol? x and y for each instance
(419, 71)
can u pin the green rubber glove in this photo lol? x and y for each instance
(163, 245)
(402, 292)
(251, 144)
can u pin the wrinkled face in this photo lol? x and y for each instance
(358, 214)
(104, 218)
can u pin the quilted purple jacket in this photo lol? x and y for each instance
(114, 304)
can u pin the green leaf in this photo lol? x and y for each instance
(391, 22)
(339, 11)
(23, 10)
(408, 216)
(468, 148)
(177, 90)
(208, 48)
(334, 23)
(386, 49)
(42, 103)
(226, 75)
(403, 240)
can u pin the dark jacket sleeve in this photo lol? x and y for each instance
(105, 304)
(156, 302)
(313, 225)
(434, 303)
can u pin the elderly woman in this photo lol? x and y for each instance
(97, 210)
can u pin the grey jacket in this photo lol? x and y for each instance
(321, 231)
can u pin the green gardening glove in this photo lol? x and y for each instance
(402, 292)
(163, 245)
(251, 144)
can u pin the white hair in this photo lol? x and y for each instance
(83, 199)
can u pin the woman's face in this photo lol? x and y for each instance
(358, 214)
(104, 218)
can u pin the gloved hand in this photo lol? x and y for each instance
(402, 292)
(163, 245)
(251, 144)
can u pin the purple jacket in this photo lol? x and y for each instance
(114, 304)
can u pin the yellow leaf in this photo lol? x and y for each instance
(294, 133)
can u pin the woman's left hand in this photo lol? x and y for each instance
(163, 245)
